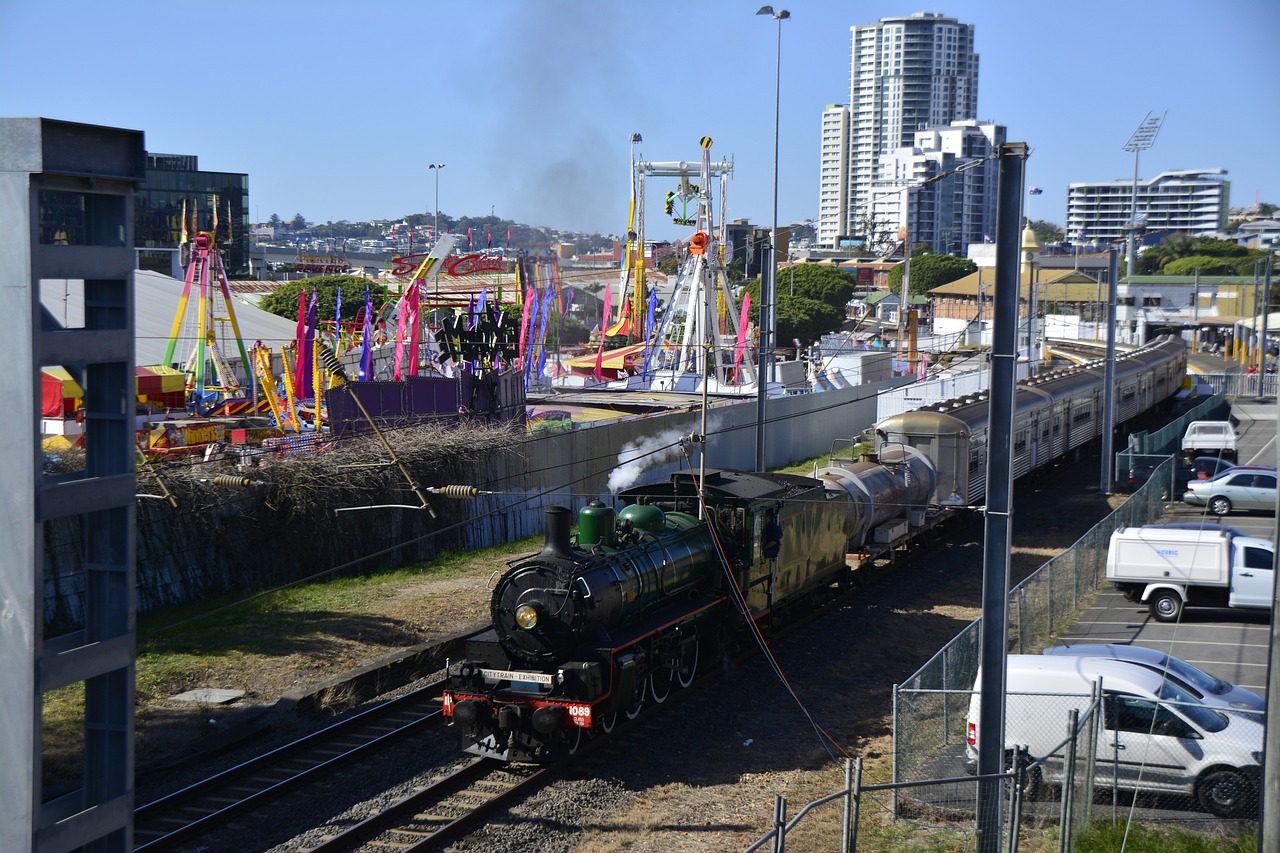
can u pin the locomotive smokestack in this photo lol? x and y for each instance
(559, 522)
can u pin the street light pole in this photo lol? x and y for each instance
(436, 167)
(769, 283)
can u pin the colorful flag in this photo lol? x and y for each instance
(468, 238)
(305, 390)
(648, 324)
(183, 238)
(366, 342)
(604, 325)
(530, 297)
(742, 336)
(337, 324)
(412, 296)
(230, 237)
(1034, 191)
(488, 234)
(300, 367)
(508, 238)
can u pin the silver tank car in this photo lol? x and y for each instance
(881, 490)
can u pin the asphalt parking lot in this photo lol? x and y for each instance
(1231, 644)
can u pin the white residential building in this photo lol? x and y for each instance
(950, 214)
(907, 74)
(833, 179)
(1194, 201)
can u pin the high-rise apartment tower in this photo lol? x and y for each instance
(907, 74)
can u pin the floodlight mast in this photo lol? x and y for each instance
(1142, 139)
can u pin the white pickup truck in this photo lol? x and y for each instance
(1210, 438)
(1169, 567)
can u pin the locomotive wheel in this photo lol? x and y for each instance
(660, 681)
(637, 699)
(572, 738)
(687, 663)
(608, 722)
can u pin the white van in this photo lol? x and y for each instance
(1209, 690)
(1153, 737)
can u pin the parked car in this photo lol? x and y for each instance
(1243, 487)
(1199, 468)
(1153, 737)
(1211, 691)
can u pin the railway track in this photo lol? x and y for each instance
(448, 806)
(206, 805)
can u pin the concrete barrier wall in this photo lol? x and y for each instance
(251, 541)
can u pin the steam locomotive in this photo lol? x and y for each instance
(587, 630)
(593, 628)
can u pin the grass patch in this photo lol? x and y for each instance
(1106, 837)
(270, 642)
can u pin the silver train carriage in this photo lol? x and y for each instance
(1054, 413)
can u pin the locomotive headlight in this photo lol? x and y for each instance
(527, 616)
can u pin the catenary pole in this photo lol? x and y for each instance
(997, 540)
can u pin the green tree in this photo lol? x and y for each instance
(1046, 232)
(1180, 254)
(827, 284)
(811, 306)
(298, 223)
(275, 221)
(283, 301)
(929, 271)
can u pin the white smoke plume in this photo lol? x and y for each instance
(642, 454)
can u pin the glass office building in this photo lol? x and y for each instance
(175, 180)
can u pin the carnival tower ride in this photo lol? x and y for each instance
(206, 330)
(702, 321)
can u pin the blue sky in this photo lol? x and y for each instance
(335, 109)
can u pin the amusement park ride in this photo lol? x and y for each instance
(701, 336)
(445, 325)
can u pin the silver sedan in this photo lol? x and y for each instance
(1242, 488)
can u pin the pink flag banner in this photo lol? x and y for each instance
(415, 328)
(742, 336)
(401, 318)
(604, 327)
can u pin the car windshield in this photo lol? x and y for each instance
(1206, 719)
(1197, 678)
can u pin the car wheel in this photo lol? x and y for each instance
(1227, 793)
(1166, 606)
(1219, 505)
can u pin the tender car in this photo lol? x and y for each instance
(1211, 691)
(1240, 488)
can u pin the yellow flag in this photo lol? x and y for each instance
(183, 239)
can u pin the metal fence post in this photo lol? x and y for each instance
(850, 841)
(1016, 798)
(897, 758)
(1068, 782)
(779, 824)
(1091, 761)
(946, 700)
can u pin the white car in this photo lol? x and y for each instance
(1211, 691)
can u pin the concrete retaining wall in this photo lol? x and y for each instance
(249, 541)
